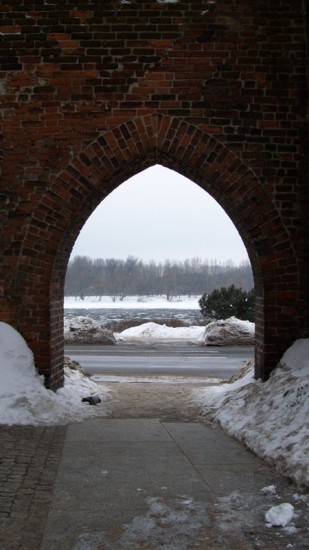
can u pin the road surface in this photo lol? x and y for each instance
(160, 359)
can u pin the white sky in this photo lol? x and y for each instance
(159, 215)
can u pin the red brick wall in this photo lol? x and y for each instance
(95, 91)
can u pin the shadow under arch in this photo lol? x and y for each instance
(121, 153)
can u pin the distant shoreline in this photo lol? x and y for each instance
(132, 302)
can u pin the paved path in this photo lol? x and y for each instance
(146, 484)
(29, 459)
(145, 477)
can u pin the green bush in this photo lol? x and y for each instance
(228, 302)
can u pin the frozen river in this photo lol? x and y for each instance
(105, 315)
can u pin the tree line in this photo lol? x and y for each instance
(134, 277)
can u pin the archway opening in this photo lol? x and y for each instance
(160, 215)
(150, 250)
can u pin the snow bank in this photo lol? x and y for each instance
(152, 332)
(23, 396)
(271, 418)
(229, 332)
(84, 330)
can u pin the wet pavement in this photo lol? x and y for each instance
(142, 484)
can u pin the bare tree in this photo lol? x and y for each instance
(121, 278)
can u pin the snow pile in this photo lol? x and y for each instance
(229, 332)
(279, 516)
(84, 330)
(23, 396)
(271, 418)
(152, 332)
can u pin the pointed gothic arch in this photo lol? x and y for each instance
(107, 162)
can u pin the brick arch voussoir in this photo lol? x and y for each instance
(131, 147)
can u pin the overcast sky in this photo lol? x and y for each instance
(159, 215)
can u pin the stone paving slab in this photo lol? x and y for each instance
(144, 484)
(29, 459)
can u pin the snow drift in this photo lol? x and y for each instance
(152, 332)
(23, 396)
(271, 418)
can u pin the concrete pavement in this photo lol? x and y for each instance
(144, 484)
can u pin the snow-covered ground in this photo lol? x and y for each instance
(131, 302)
(271, 418)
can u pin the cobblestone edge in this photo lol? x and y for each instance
(29, 460)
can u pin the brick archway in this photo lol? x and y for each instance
(109, 161)
(93, 94)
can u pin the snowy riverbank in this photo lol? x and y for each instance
(131, 302)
